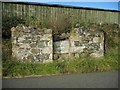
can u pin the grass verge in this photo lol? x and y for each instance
(14, 68)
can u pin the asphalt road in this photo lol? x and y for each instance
(89, 80)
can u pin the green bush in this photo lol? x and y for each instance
(8, 22)
(36, 22)
(59, 25)
(111, 35)
(6, 49)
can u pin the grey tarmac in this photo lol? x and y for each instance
(86, 80)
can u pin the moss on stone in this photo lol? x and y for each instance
(34, 51)
(33, 45)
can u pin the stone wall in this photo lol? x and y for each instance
(88, 41)
(61, 46)
(82, 41)
(36, 45)
(30, 44)
(61, 49)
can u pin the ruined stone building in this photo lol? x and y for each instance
(37, 45)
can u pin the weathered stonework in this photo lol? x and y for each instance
(81, 42)
(30, 44)
(36, 45)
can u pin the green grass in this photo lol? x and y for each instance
(14, 68)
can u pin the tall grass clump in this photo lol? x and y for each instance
(15, 68)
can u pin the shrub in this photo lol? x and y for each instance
(8, 22)
(6, 49)
(111, 35)
(59, 25)
(33, 21)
